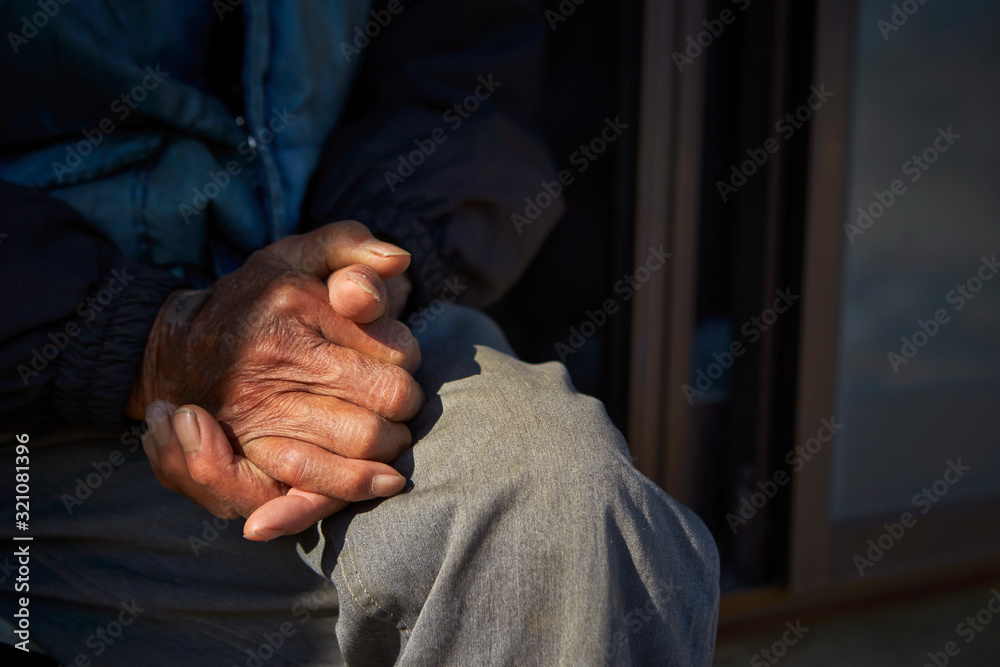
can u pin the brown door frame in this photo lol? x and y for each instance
(667, 191)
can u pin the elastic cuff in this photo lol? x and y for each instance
(96, 370)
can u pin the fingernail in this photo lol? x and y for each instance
(157, 420)
(265, 535)
(383, 249)
(384, 486)
(157, 416)
(192, 444)
(365, 286)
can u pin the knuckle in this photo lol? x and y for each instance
(284, 295)
(201, 474)
(349, 226)
(339, 374)
(292, 466)
(411, 356)
(367, 436)
(356, 485)
(273, 258)
(405, 350)
(398, 391)
(337, 233)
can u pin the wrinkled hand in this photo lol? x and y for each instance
(191, 455)
(309, 380)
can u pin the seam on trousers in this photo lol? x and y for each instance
(357, 576)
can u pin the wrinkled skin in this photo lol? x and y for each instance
(296, 377)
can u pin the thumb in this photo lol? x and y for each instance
(235, 481)
(338, 245)
(289, 514)
(216, 470)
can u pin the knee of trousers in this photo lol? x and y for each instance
(515, 422)
(501, 420)
(556, 454)
(554, 477)
(519, 479)
(511, 468)
(565, 491)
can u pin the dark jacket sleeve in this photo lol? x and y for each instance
(75, 315)
(441, 146)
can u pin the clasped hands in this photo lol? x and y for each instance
(293, 380)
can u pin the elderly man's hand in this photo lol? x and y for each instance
(192, 455)
(310, 380)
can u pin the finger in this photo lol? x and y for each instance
(158, 414)
(335, 246)
(228, 478)
(357, 378)
(289, 514)
(391, 342)
(309, 468)
(335, 425)
(399, 288)
(386, 340)
(150, 449)
(358, 293)
(172, 470)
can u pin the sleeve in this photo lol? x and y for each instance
(440, 150)
(76, 315)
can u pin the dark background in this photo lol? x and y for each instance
(592, 75)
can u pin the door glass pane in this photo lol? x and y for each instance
(919, 261)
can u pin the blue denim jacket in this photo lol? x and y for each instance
(418, 118)
(136, 142)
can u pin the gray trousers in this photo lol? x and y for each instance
(525, 536)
